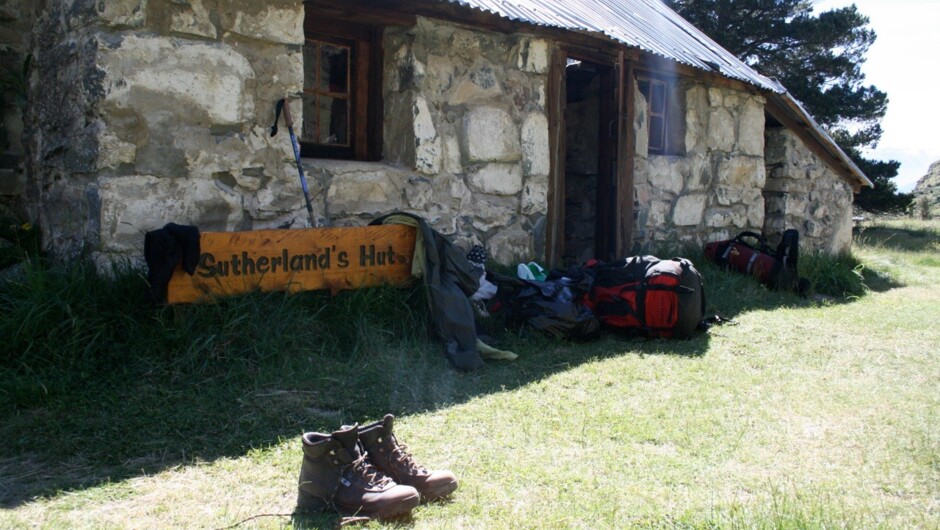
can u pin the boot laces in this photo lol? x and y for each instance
(403, 459)
(361, 467)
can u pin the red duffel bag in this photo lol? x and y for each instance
(749, 253)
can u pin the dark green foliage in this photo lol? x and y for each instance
(70, 322)
(837, 276)
(23, 239)
(818, 59)
(13, 84)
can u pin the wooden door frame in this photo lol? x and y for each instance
(626, 151)
(557, 95)
(625, 95)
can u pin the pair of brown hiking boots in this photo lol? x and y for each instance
(364, 471)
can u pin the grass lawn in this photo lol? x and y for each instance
(802, 413)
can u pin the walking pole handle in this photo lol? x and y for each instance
(287, 118)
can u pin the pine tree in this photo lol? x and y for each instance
(818, 59)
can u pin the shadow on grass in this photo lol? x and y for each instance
(104, 387)
(163, 387)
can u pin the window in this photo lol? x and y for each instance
(654, 91)
(327, 100)
(341, 100)
(665, 115)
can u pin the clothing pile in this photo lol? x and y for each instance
(641, 295)
(451, 281)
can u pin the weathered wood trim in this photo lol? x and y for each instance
(375, 140)
(365, 98)
(626, 139)
(555, 222)
(604, 56)
(360, 138)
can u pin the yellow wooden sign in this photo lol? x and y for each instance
(296, 260)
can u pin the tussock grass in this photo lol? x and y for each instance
(95, 375)
(842, 276)
(22, 241)
(801, 414)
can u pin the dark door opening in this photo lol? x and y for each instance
(590, 162)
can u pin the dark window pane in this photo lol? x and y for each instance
(337, 91)
(657, 133)
(658, 98)
(311, 54)
(334, 121)
(309, 130)
(334, 69)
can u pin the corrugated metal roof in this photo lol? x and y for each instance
(646, 24)
(652, 27)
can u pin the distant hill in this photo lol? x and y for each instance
(929, 185)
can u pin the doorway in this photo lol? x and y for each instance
(590, 162)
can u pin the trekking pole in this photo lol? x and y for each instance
(283, 105)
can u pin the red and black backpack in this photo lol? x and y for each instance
(663, 298)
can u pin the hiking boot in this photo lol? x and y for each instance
(393, 459)
(336, 473)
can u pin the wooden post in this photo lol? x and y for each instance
(626, 148)
(555, 223)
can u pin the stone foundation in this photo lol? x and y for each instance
(803, 193)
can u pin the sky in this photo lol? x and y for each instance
(903, 63)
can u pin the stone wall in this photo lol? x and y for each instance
(802, 192)
(165, 106)
(713, 190)
(16, 23)
(465, 140)
(159, 113)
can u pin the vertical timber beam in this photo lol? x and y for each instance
(555, 223)
(626, 148)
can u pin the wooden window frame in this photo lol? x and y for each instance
(647, 85)
(670, 114)
(364, 128)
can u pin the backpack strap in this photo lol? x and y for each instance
(761, 245)
(788, 249)
(750, 262)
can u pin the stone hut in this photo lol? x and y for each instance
(547, 129)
